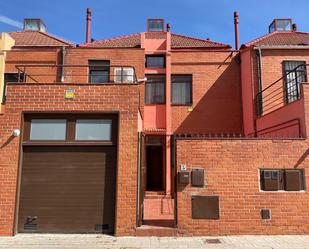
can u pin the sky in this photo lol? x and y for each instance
(198, 18)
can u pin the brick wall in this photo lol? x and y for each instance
(35, 56)
(272, 70)
(216, 93)
(231, 172)
(49, 98)
(121, 57)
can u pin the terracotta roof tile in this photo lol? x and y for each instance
(36, 38)
(181, 41)
(281, 38)
(134, 40)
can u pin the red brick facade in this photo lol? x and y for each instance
(234, 177)
(50, 98)
(224, 88)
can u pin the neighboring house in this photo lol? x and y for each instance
(155, 133)
(6, 43)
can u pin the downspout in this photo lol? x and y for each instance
(260, 85)
(174, 165)
(62, 64)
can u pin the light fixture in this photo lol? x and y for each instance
(16, 133)
(142, 80)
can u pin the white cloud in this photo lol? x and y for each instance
(10, 22)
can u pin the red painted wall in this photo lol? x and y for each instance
(216, 86)
(287, 121)
(248, 106)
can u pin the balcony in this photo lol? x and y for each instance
(75, 74)
(280, 108)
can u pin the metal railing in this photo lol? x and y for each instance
(54, 73)
(283, 91)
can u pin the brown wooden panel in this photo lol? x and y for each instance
(68, 189)
(205, 207)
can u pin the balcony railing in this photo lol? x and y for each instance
(283, 91)
(98, 74)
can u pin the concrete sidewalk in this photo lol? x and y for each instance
(45, 241)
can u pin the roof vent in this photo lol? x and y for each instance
(280, 25)
(35, 24)
(155, 25)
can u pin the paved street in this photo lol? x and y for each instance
(102, 241)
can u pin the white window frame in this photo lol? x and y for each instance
(121, 77)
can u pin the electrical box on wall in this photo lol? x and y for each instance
(183, 177)
(197, 177)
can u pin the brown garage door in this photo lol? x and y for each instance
(68, 189)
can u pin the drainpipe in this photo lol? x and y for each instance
(88, 22)
(236, 21)
(168, 112)
(260, 85)
(62, 64)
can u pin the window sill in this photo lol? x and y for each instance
(154, 104)
(190, 104)
(66, 143)
(282, 191)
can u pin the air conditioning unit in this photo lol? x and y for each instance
(272, 180)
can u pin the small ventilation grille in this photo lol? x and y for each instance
(30, 227)
(265, 214)
(212, 241)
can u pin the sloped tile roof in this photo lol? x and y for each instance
(281, 38)
(134, 40)
(37, 38)
(181, 41)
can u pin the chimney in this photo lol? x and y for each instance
(168, 27)
(88, 22)
(236, 30)
(294, 27)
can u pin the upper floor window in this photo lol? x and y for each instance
(155, 25)
(99, 71)
(48, 129)
(11, 77)
(182, 89)
(155, 61)
(93, 129)
(124, 75)
(295, 73)
(282, 179)
(155, 89)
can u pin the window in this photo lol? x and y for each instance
(48, 129)
(11, 77)
(93, 129)
(282, 179)
(295, 73)
(280, 25)
(155, 61)
(155, 89)
(182, 89)
(155, 25)
(99, 71)
(124, 75)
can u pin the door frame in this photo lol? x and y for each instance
(163, 145)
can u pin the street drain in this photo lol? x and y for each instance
(212, 241)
